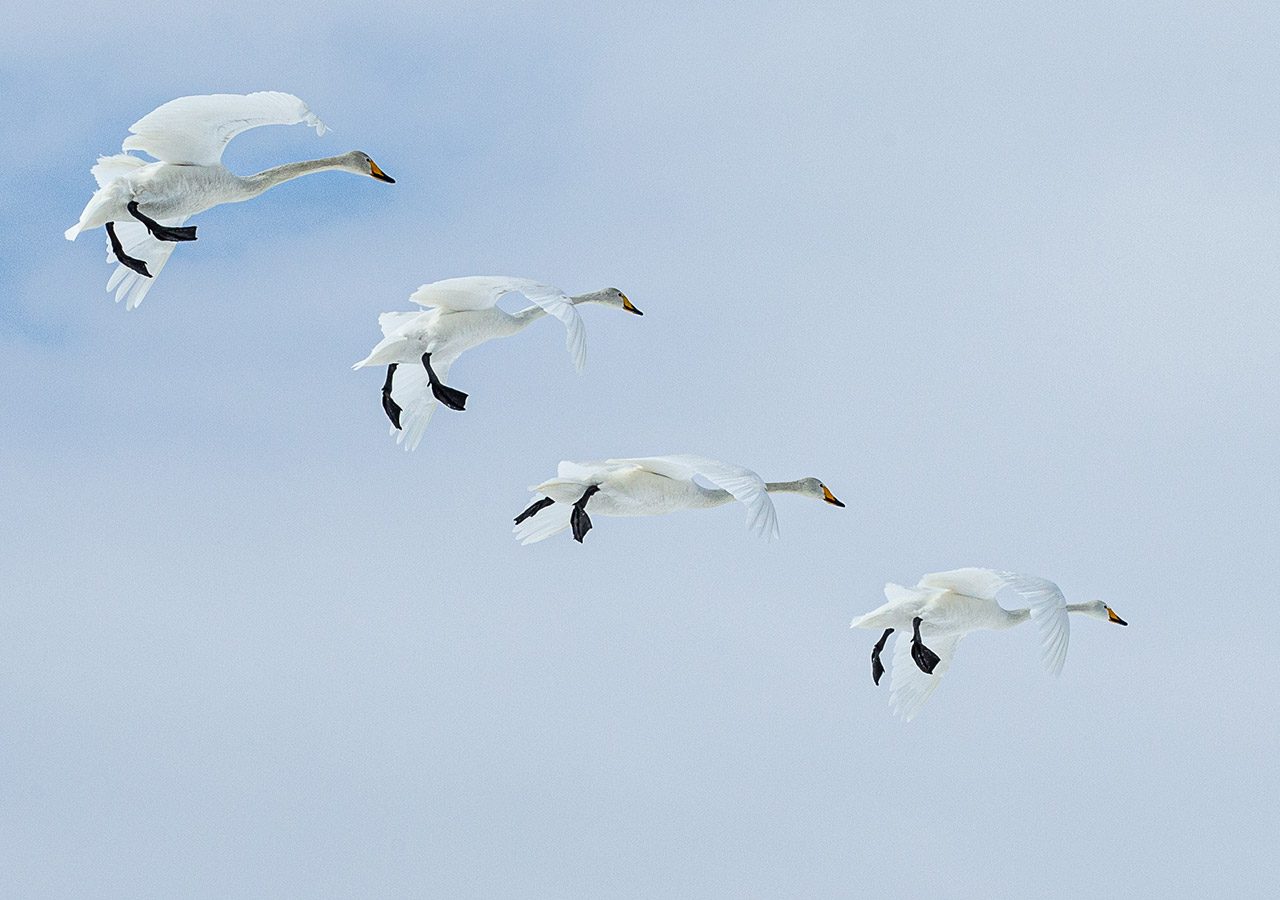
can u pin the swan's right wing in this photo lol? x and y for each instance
(474, 292)
(195, 130)
(1049, 612)
(909, 687)
(744, 485)
(138, 243)
(411, 389)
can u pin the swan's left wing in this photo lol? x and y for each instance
(195, 130)
(743, 484)
(138, 243)
(412, 391)
(972, 582)
(909, 687)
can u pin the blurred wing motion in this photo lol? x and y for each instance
(475, 292)
(1047, 603)
(909, 687)
(746, 486)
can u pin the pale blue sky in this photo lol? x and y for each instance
(1005, 279)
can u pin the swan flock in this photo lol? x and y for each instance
(143, 206)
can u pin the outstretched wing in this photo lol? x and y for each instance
(411, 389)
(909, 687)
(138, 243)
(195, 130)
(1049, 612)
(746, 486)
(475, 292)
(1048, 605)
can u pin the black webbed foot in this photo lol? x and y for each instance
(450, 397)
(877, 667)
(534, 508)
(578, 519)
(925, 658)
(389, 406)
(138, 265)
(162, 232)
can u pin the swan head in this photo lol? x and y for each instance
(1098, 610)
(615, 297)
(812, 487)
(361, 163)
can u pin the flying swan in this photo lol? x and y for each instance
(143, 205)
(946, 606)
(463, 313)
(653, 486)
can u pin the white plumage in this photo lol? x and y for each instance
(187, 137)
(950, 605)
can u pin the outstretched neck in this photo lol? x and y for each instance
(269, 178)
(784, 487)
(533, 313)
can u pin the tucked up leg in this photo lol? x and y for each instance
(123, 258)
(925, 658)
(877, 667)
(534, 508)
(389, 406)
(450, 397)
(579, 519)
(158, 231)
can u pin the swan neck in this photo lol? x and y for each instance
(784, 487)
(269, 178)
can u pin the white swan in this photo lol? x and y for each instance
(143, 204)
(463, 313)
(946, 606)
(652, 486)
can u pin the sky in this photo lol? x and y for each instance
(1003, 277)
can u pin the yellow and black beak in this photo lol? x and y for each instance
(629, 306)
(1112, 617)
(830, 497)
(379, 174)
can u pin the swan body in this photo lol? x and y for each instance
(143, 204)
(653, 486)
(459, 314)
(932, 617)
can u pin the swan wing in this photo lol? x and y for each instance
(121, 165)
(744, 485)
(475, 292)
(1049, 612)
(138, 243)
(195, 130)
(909, 687)
(411, 389)
(392, 322)
(983, 583)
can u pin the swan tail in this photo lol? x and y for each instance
(548, 522)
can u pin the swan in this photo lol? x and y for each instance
(143, 205)
(652, 486)
(946, 606)
(463, 313)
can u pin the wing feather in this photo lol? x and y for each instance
(909, 687)
(195, 130)
(744, 485)
(138, 243)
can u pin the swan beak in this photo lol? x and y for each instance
(629, 306)
(1112, 617)
(830, 497)
(379, 174)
